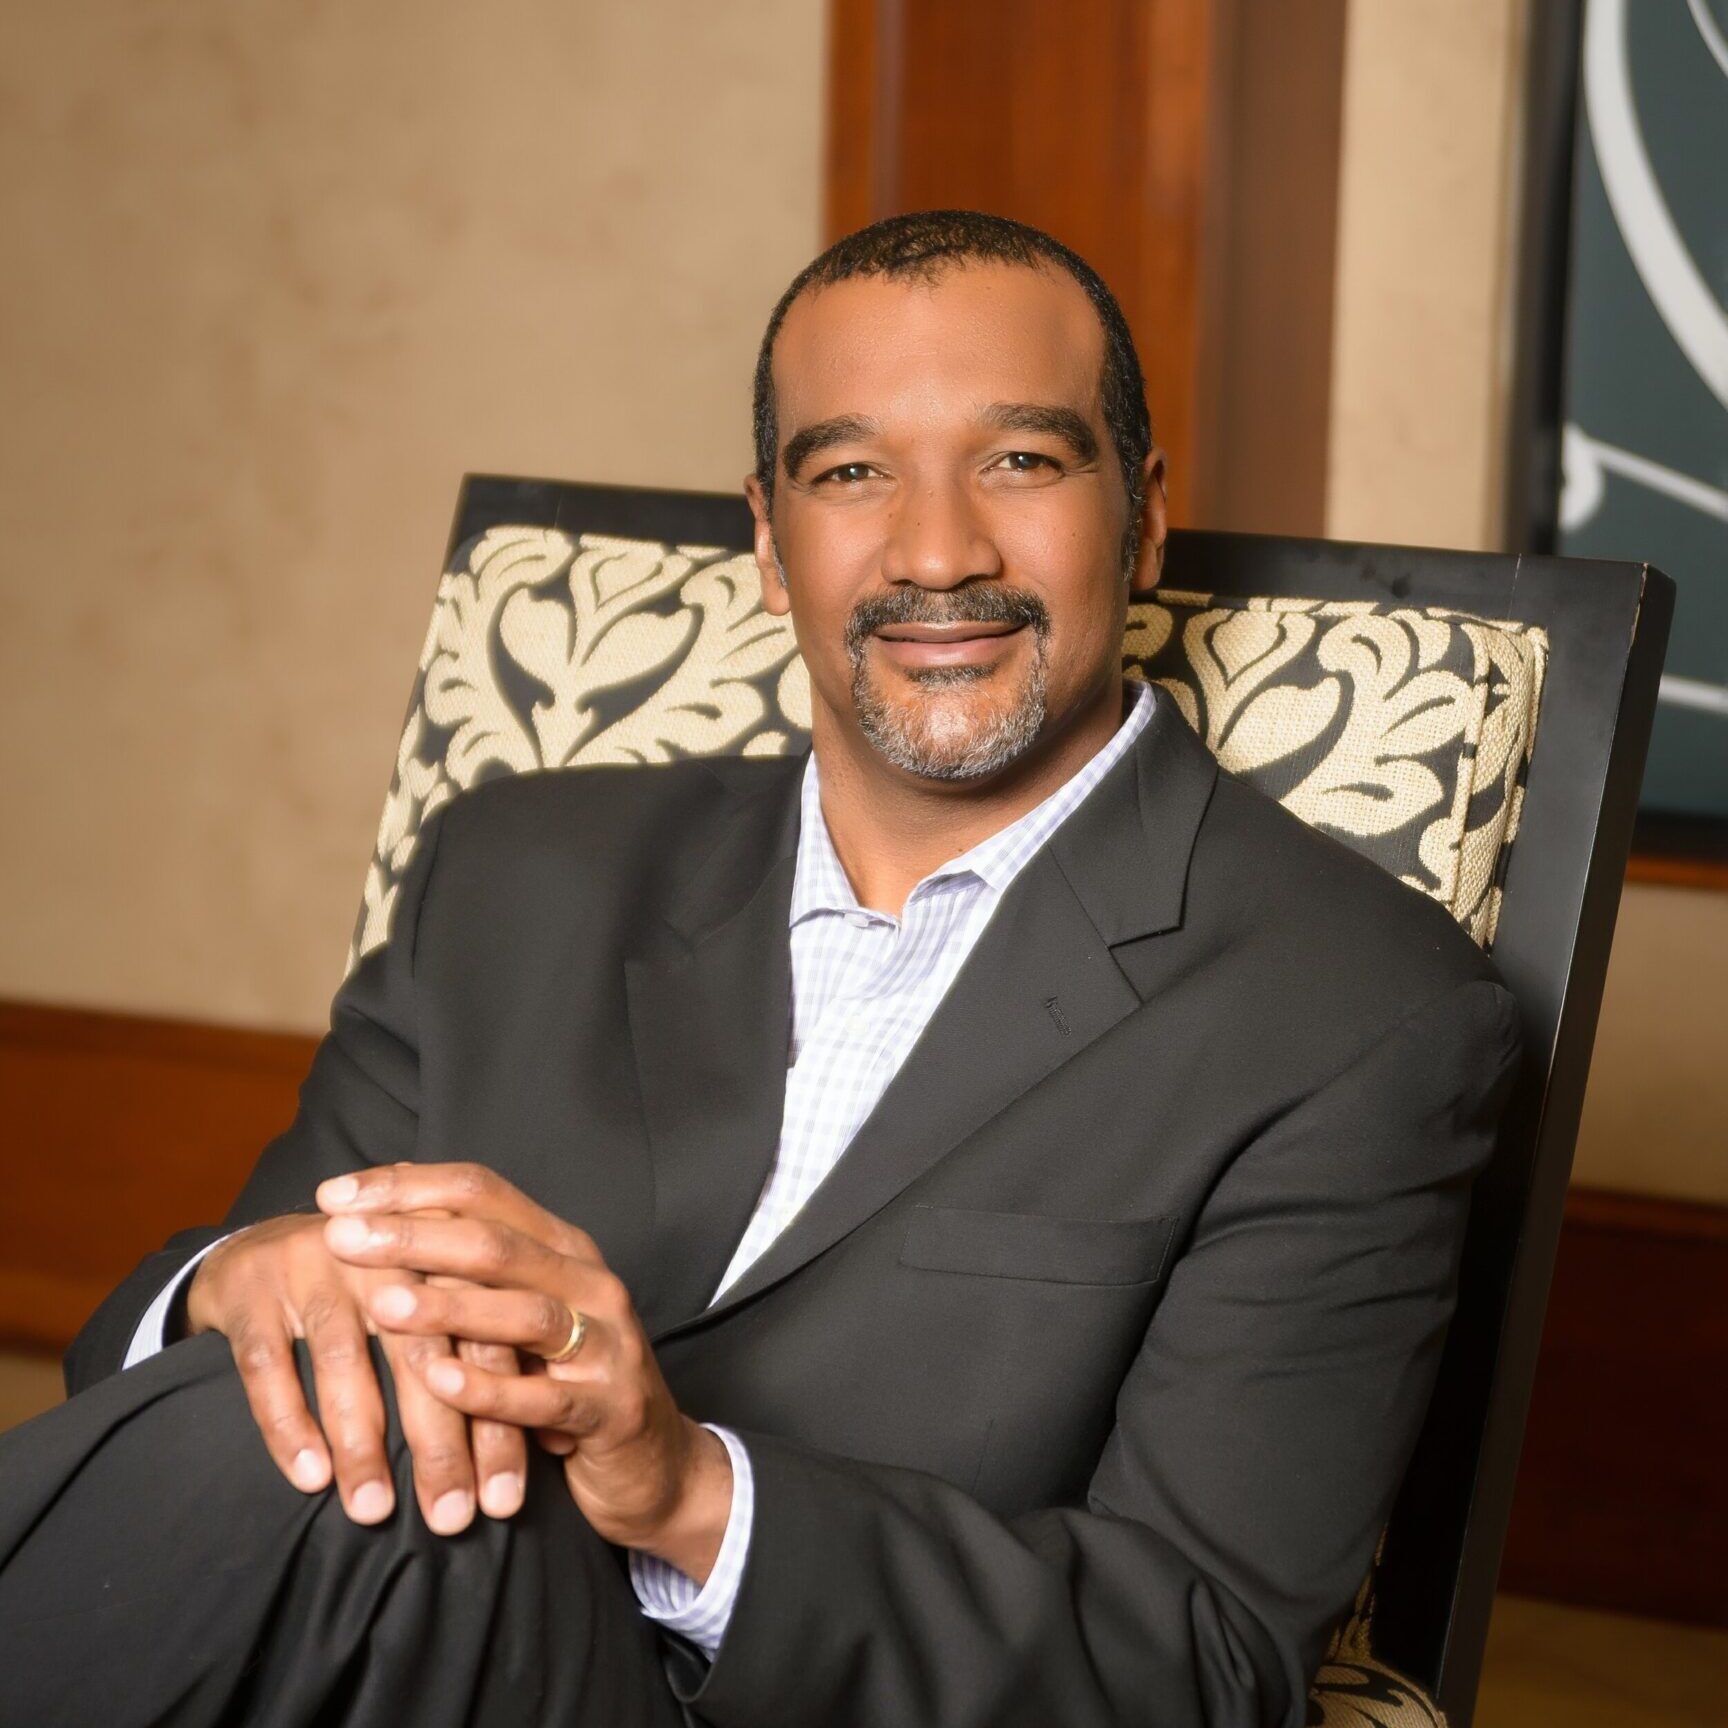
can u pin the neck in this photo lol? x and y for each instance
(891, 829)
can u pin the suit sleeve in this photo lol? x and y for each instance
(1260, 1438)
(359, 1105)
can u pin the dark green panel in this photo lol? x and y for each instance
(1645, 403)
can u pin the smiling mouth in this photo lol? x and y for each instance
(961, 630)
(967, 642)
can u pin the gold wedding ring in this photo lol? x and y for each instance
(578, 1331)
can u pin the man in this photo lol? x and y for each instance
(969, 1218)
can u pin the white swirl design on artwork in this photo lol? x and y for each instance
(1677, 289)
(1694, 693)
(1586, 461)
(1711, 31)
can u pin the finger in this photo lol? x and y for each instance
(526, 1400)
(464, 1190)
(350, 1406)
(264, 1356)
(500, 1450)
(436, 1435)
(527, 1319)
(481, 1251)
(551, 1440)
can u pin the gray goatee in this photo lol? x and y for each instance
(934, 741)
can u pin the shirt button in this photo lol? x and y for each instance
(858, 920)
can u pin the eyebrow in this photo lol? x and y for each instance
(842, 429)
(1054, 421)
(1042, 417)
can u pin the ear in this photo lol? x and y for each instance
(1154, 525)
(775, 599)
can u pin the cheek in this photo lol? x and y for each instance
(1078, 655)
(1060, 545)
(827, 573)
(830, 555)
(1074, 570)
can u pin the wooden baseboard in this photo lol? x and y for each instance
(1622, 1496)
(121, 1130)
(1679, 851)
(1677, 872)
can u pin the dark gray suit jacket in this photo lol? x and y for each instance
(1080, 1391)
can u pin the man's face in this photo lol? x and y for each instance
(949, 514)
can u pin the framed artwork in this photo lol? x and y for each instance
(1620, 422)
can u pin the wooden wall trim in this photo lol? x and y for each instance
(1276, 269)
(1679, 851)
(1102, 124)
(92, 1032)
(1622, 1500)
(1187, 148)
(120, 1130)
(1606, 1211)
(1677, 872)
(862, 132)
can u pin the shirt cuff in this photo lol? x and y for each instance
(150, 1338)
(701, 1613)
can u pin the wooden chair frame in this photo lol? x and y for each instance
(1607, 625)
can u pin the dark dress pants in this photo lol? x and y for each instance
(156, 1568)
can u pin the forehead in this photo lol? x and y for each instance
(896, 350)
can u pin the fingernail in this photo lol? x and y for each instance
(348, 1235)
(451, 1512)
(309, 1471)
(338, 1191)
(393, 1302)
(371, 1503)
(444, 1377)
(501, 1495)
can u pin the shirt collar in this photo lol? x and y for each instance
(820, 883)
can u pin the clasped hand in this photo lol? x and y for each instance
(468, 1284)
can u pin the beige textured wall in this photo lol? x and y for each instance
(1430, 105)
(1656, 1112)
(276, 275)
(1418, 380)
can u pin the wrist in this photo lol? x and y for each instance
(193, 1302)
(690, 1537)
(176, 1322)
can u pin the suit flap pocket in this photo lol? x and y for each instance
(1022, 1245)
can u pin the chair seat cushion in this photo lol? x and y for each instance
(1363, 1693)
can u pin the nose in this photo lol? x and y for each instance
(937, 538)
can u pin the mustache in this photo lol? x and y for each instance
(983, 605)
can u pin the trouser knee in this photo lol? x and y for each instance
(155, 1565)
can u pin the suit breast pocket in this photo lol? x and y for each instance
(1029, 1246)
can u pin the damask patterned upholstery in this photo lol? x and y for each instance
(1403, 731)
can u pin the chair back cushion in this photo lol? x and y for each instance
(1404, 731)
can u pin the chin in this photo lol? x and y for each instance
(952, 736)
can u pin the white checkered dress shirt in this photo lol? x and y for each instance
(864, 985)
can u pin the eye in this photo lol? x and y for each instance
(1027, 462)
(847, 474)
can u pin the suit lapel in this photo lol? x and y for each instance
(1041, 985)
(709, 993)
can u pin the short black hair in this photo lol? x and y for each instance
(920, 247)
